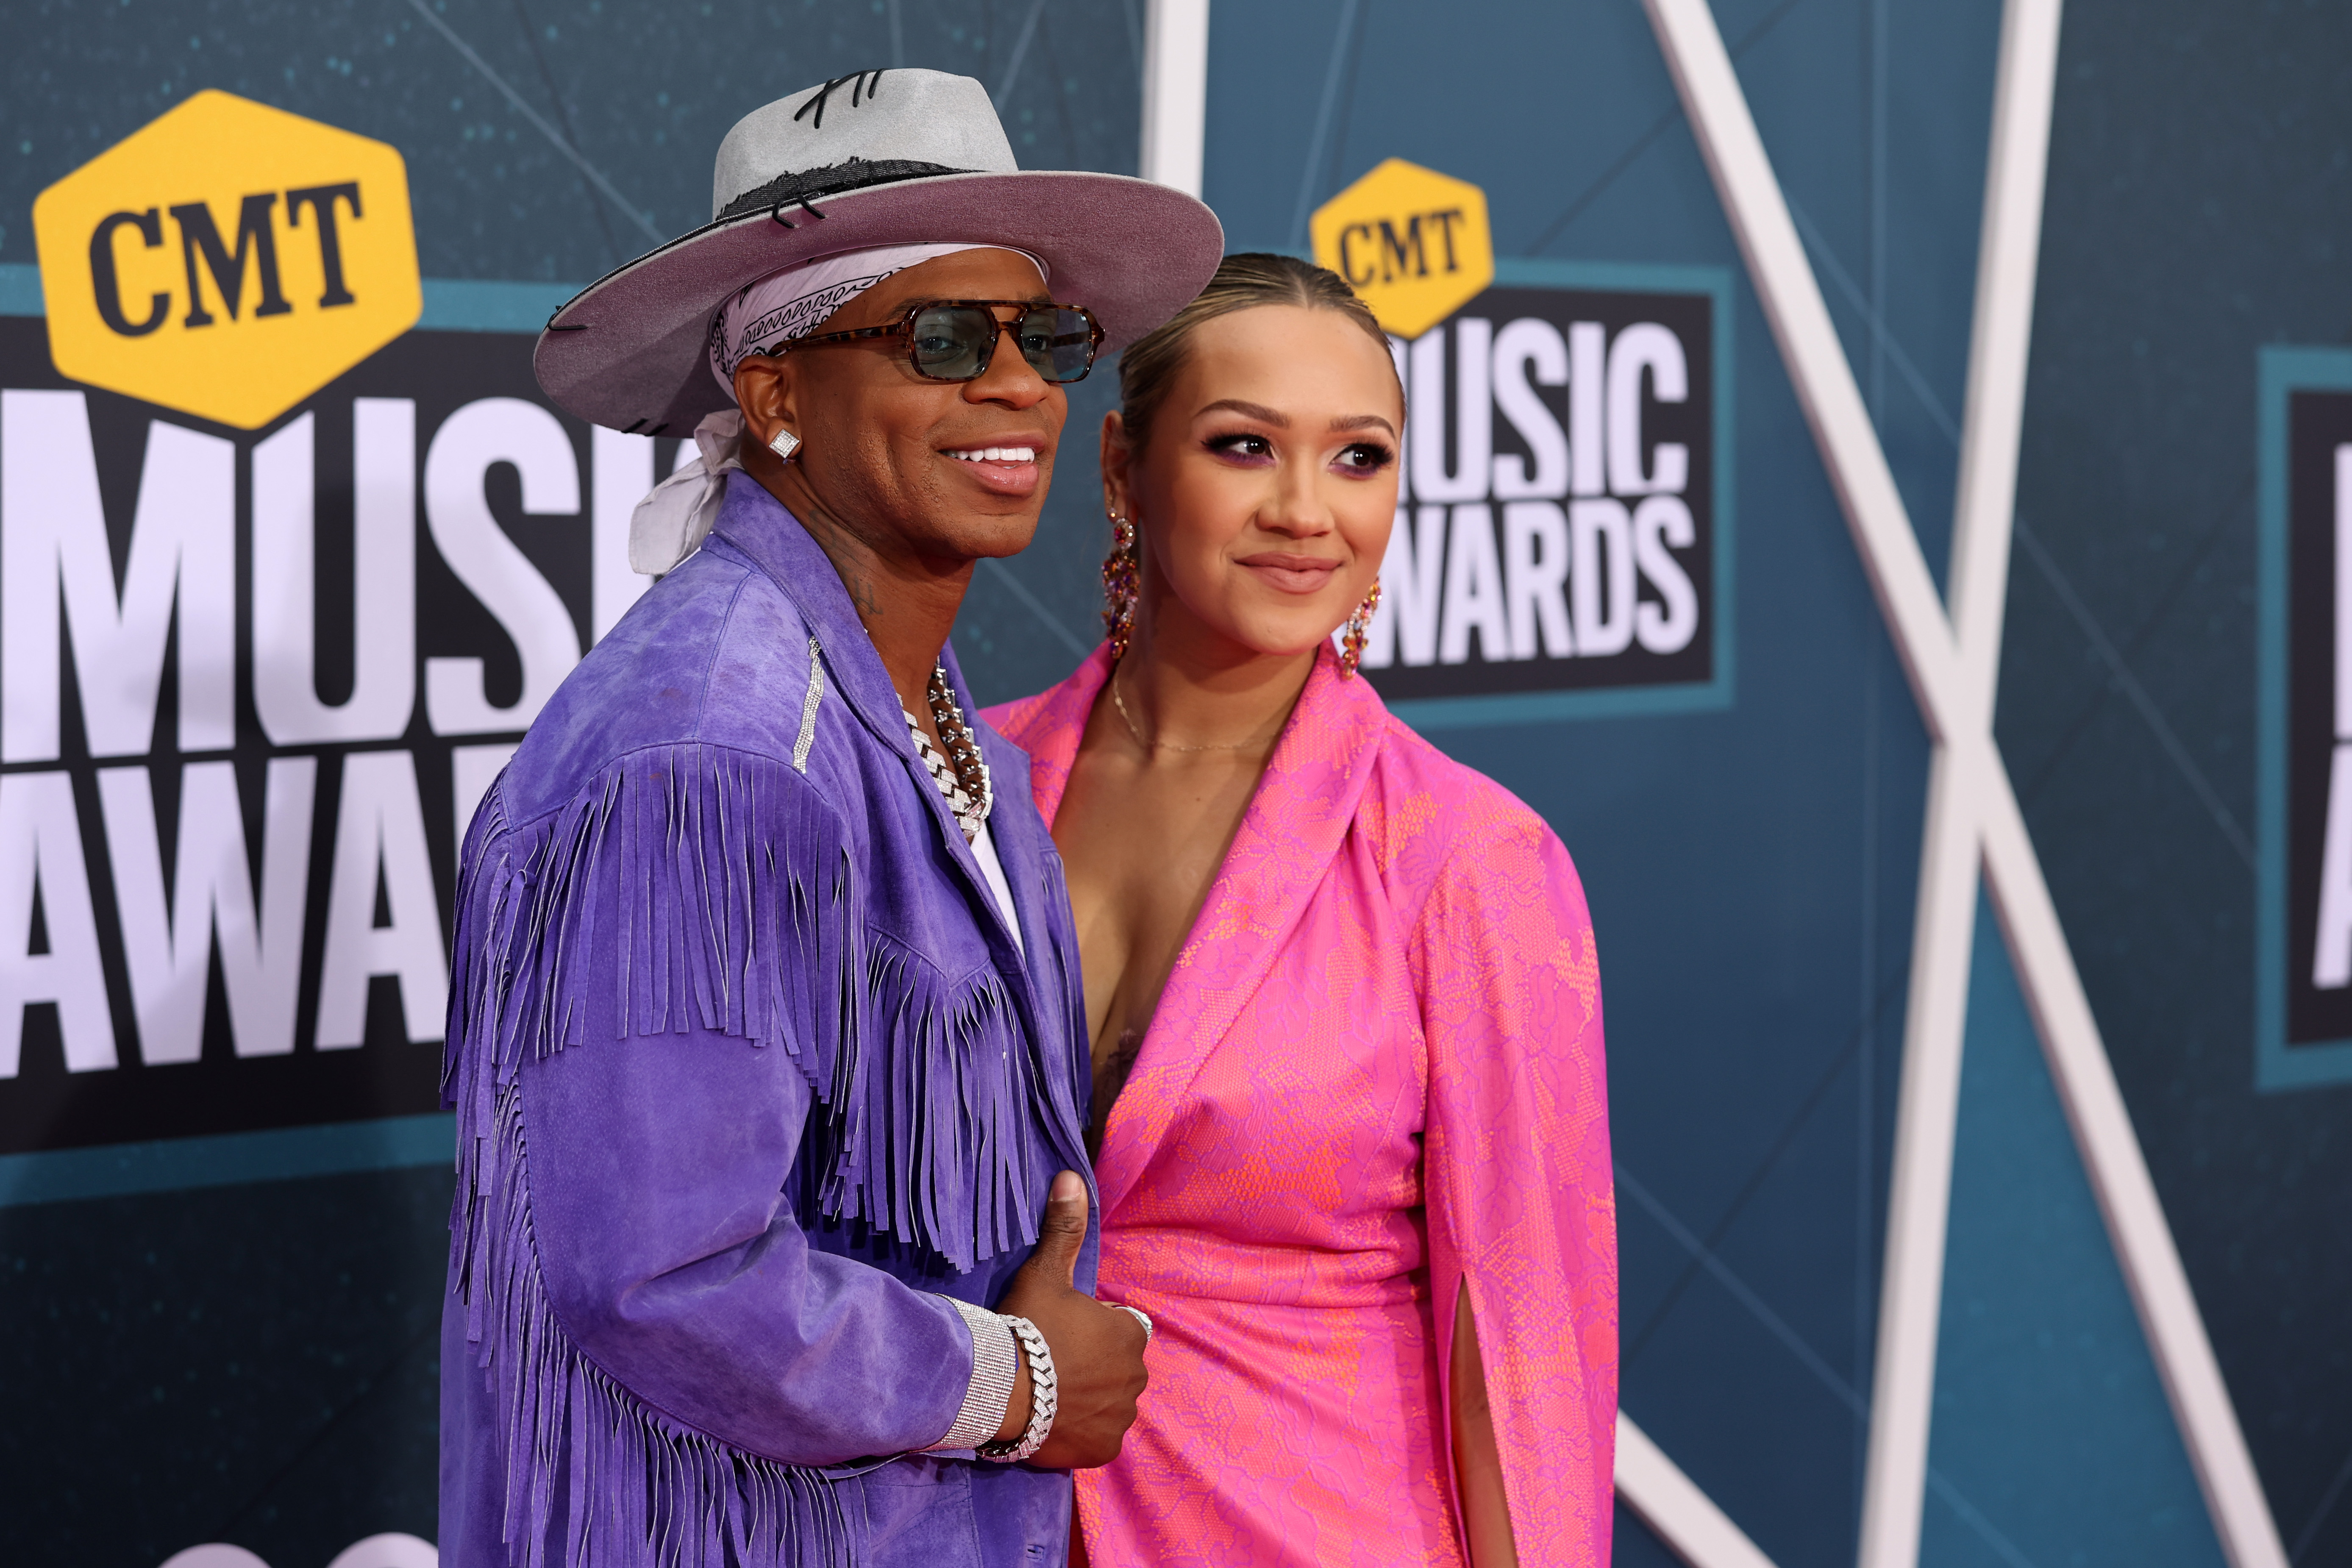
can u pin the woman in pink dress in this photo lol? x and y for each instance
(1349, 1107)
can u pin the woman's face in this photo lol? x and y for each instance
(1264, 493)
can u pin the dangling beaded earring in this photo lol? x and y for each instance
(1357, 626)
(1120, 579)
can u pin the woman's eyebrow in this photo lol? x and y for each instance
(1258, 411)
(1281, 421)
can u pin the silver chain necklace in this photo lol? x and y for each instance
(962, 775)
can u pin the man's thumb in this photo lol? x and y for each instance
(1065, 1230)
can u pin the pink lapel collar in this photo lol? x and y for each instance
(1294, 826)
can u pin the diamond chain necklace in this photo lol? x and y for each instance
(963, 774)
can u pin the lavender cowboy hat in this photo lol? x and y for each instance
(886, 157)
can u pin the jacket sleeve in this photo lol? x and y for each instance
(658, 1168)
(1521, 1204)
(655, 989)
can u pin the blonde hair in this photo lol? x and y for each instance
(1149, 368)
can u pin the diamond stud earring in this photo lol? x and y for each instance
(784, 445)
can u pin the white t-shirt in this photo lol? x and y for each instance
(992, 870)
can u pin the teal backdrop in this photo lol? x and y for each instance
(234, 1339)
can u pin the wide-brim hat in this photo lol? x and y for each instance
(891, 157)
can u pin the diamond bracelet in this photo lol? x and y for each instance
(1043, 1397)
(995, 1371)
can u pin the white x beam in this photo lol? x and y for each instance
(1175, 92)
(1669, 1502)
(1973, 820)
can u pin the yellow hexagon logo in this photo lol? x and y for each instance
(1412, 242)
(227, 259)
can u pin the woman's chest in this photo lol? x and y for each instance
(1281, 1100)
(1142, 845)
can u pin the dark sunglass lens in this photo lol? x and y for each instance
(951, 342)
(1058, 342)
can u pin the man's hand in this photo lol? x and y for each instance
(1098, 1350)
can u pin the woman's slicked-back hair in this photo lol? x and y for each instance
(1149, 366)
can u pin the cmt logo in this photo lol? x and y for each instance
(200, 237)
(1412, 242)
(227, 260)
(1363, 262)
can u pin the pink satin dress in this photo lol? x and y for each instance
(1374, 1080)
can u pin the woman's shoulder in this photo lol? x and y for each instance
(1032, 722)
(1433, 817)
(1022, 720)
(1407, 768)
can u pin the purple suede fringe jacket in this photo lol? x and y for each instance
(747, 1072)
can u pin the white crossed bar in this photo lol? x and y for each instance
(1175, 92)
(1973, 818)
(1668, 1501)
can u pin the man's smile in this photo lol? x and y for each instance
(1008, 468)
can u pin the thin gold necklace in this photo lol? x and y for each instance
(1128, 719)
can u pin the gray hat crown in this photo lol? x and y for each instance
(881, 158)
(857, 130)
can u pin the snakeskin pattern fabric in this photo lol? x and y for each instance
(1375, 1079)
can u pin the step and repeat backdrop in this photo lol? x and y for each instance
(292, 550)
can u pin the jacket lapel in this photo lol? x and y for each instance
(1048, 954)
(1294, 826)
(757, 525)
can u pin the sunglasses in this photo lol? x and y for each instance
(954, 340)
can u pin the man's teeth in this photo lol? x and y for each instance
(997, 455)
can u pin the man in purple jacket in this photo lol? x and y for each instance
(767, 1044)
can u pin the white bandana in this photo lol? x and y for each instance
(674, 518)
